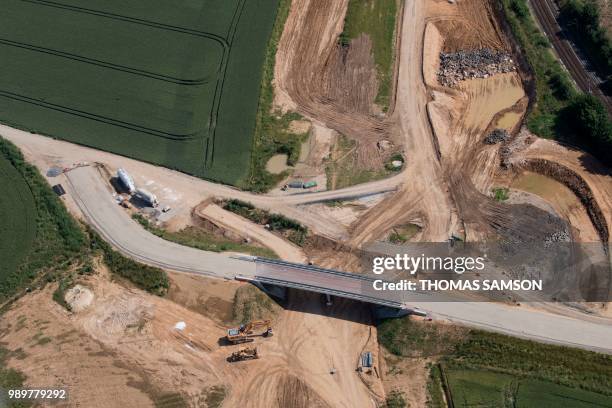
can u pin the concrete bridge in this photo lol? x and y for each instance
(320, 280)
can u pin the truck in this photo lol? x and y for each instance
(147, 197)
(296, 184)
(246, 332)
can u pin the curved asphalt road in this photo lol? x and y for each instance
(100, 210)
(95, 200)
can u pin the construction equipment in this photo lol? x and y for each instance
(246, 332)
(296, 184)
(248, 353)
(147, 197)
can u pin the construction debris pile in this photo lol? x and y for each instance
(557, 236)
(497, 136)
(479, 63)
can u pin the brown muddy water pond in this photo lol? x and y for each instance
(547, 188)
(509, 120)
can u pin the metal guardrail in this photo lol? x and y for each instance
(323, 290)
(312, 268)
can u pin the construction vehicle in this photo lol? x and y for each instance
(248, 353)
(124, 202)
(246, 332)
(296, 184)
(147, 197)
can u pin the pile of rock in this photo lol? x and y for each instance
(558, 236)
(479, 63)
(497, 136)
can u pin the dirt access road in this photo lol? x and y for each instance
(233, 222)
(423, 196)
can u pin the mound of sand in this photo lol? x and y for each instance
(79, 298)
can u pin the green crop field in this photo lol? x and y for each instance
(174, 83)
(17, 219)
(37, 235)
(481, 388)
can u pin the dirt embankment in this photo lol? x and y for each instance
(578, 185)
(588, 179)
(247, 229)
(524, 68)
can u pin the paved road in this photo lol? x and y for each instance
(527, 323)
(547, 12)
(94, 199)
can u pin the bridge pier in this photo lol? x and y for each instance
(385, 312)
(278, 292)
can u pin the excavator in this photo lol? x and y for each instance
(244, 354)
(246, 332)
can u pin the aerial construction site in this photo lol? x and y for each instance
(207, 245)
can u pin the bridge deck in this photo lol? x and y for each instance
(320, 280)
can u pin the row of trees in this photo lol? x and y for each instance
(583, 19)
(586, 116)
(589, 121)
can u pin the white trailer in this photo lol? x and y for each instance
(147, 197)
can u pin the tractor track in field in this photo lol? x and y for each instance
(331, 83)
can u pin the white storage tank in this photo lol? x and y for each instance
(126, 180)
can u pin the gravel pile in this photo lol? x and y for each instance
(558, 236)
(497, 136)
(504, 157)
(479, 63)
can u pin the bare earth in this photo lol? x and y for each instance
(122, 349)
(243, 227)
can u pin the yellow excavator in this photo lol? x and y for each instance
(246, 332)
